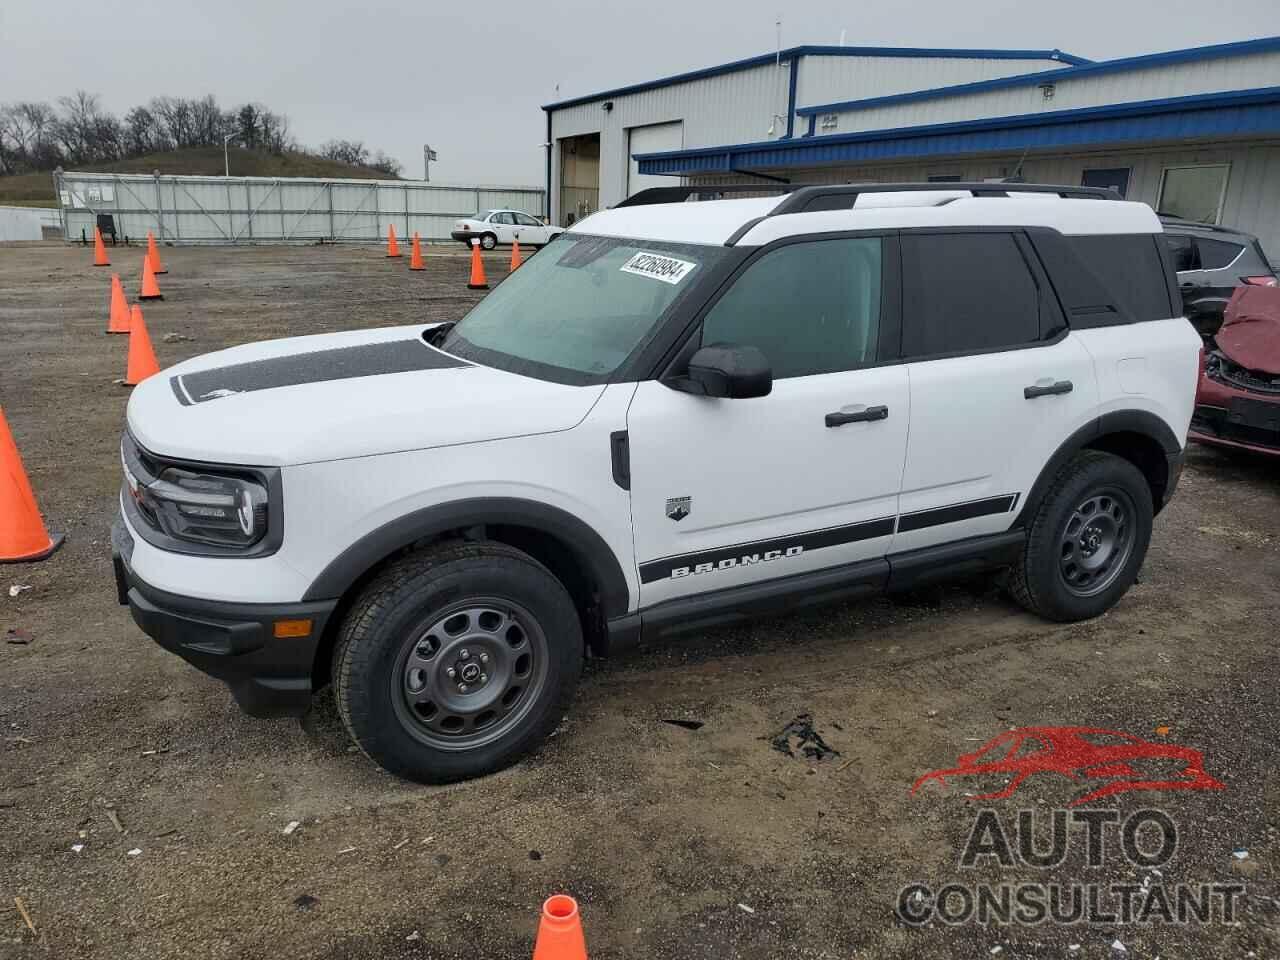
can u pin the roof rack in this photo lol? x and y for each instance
(844, 196)
(704, 191)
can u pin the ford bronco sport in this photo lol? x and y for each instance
(675, 415)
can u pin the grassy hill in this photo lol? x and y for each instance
(36, 189)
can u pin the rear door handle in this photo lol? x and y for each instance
(839, 419)
(1035, 390)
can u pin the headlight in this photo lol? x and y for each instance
(202, 509)
(207, 508)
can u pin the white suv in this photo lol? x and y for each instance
(676, 415)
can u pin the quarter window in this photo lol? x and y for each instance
(811, 307)
(966, 292)
(1216, 254)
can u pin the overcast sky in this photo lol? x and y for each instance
(469, 77)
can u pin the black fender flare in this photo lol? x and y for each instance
(1117, 421)
(587, 546)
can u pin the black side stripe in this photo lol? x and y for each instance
(816, 539)
(956, 512)
(743, 554)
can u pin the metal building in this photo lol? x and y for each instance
(1192, 132)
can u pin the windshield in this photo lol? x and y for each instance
(575, 311)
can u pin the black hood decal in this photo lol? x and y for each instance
(340, 363)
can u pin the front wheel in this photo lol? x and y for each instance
(1087, 540)
(457, 661)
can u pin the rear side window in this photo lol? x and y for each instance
(1130, 269)
(1216, 254)
(1183, 250)
(810, 307)
(966, 292)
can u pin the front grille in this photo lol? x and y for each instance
(1225, 370)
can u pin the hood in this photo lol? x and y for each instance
(327, 397)
(1250, 331)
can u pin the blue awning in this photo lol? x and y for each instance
(1233, 114)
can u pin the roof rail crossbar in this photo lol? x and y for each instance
(844, 196)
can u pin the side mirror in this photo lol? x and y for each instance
(726, 370)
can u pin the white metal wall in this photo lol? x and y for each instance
(25, 223)
(1252, 200)
(276, 209)
(651, 139)
(1155, 83)
(833, 79)
(739, 107)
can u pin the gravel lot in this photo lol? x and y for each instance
(697, 843)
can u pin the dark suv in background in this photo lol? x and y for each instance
(1211, 262)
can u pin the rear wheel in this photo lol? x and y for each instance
(456, 662)
(1087, 540)
(488, 241)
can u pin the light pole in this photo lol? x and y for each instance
(226, 161)
(427, 156)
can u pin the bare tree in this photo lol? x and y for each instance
(345, 151)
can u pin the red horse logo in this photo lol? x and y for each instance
(1078, 753)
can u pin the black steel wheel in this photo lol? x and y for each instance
(456, 661)
(1086, 539)
(472, 675)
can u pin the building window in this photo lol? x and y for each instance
(1194, 193)
(1112, 178)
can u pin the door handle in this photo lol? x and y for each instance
(1033, 391)
(839, 419)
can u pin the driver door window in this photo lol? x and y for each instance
(811, 308)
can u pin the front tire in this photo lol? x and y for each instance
(456, 662)
(1087, 541)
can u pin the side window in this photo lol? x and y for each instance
(1130, 269)
(527, 221)
(1216, 254)
(965, 292)
(810, 307)
(1183, 250)
(503, 218)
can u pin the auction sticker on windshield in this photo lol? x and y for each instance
(657, 267)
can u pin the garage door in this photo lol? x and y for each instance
(651, 139)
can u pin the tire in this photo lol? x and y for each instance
(1087, 541)
(488, 241)
(495, 617)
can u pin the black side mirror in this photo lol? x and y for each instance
(726, 370)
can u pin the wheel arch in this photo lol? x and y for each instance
(1139, 436)
(569, 547)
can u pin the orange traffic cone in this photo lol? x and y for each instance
(142, 357)
(99, 250)
(478, 282)
(393, 248)
(150, 289)
(560, 931)
(415, 255)
(515, 254)
(153, 254)
(23, 537)
(118, 321)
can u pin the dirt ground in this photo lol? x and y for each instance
(678, 843)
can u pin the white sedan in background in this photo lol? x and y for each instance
(493, 227)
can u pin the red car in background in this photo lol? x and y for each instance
(1238, 395)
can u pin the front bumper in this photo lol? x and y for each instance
(1227, 416)
(233, 642)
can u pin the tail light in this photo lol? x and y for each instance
(1266, 280)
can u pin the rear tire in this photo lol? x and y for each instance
(488, 241)
(457, 661)
(1088, 538)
